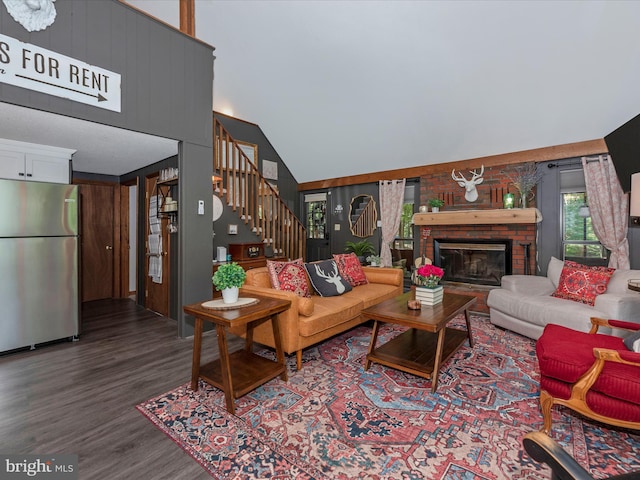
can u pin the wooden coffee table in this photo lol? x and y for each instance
(239, 372)
(428, 342)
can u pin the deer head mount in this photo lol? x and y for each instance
(471, 193)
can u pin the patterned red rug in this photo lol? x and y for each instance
(333, 420)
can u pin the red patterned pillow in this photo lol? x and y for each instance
(350, 269)
(581, 283)
(290, 276)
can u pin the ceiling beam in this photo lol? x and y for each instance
(558, 152)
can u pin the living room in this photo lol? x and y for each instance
(81, 397)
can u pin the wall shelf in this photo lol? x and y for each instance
(164, 191)
(479, 217)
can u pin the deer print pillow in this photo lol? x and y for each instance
(325, 278)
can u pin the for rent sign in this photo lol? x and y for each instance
(35, 68)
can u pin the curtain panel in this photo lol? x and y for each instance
(609, 207)
(391, 200)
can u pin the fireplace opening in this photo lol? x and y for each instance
(479, 262)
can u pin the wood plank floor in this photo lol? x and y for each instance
(79, 397)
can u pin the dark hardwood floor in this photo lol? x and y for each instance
(79, 397)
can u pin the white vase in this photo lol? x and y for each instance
(435, 209)
(230, 295)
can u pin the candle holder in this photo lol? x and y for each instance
(508, 200)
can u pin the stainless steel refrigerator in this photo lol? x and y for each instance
(39, 260)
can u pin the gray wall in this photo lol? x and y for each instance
(167, 77)
(624, 148)
(167, 90)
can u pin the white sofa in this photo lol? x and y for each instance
(524, 303)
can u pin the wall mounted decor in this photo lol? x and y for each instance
(471, 192)
(270, 169)
(363, 216)
(34, 15)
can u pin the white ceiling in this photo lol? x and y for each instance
(350, 87)
(100, 149)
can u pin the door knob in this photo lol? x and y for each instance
(109, 247)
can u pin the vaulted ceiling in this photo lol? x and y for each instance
(350, 87)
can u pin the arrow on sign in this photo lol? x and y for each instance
(100, 97)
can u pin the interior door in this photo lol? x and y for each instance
(157, 252)
(97, 241)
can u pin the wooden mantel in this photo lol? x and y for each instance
(479, 217)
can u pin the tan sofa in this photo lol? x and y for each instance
(312, 320)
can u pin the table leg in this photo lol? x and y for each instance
(197, 347)
(372, 344)
(467, 318)
(249, 337)
(277, 339)
(437, 360)
(225, 367)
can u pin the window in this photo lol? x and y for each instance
(404, 237)
(579, 242)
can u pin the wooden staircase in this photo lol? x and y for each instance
(242, 187)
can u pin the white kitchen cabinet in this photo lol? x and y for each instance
(34, 162)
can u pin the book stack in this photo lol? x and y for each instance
(430, 296)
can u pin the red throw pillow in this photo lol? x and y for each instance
(350, 269)
(290, 276)
(581, 283)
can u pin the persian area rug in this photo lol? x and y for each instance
(333, 420)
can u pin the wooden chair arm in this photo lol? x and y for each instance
(620, 324)
(586, 381)
(608, 355)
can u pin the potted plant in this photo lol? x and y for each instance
(427, 289)
(228, 278)
(361, 249)
(374, 260)
(525, 178)
(435, 204)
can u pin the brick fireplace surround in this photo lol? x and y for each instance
(490, 191)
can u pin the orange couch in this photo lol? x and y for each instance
(312, 320)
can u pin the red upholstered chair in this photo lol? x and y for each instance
(594, 374)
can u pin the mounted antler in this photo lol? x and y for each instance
(471, 193)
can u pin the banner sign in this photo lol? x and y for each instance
(29, 66)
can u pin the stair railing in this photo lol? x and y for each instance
(257, 203)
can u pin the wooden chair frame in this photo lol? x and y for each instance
(577, 400)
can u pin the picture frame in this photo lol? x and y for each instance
(232, 229)
(270, 170)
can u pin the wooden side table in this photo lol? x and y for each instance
(239, 372)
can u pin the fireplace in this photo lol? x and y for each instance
(478, 262)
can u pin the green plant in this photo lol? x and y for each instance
(361, 248)
(436, 202)
(374, 259)
(229, 275)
